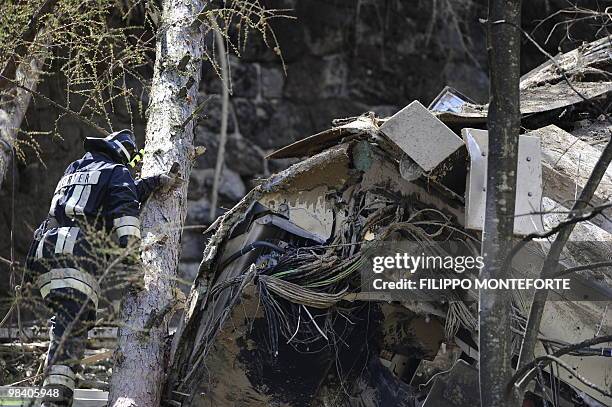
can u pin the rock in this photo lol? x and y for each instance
(329, 18)
(208, 139)
(245, 79)
(211, 116)
(246, 115)
(192, 245)
(272, 80)
(312, 78)
(198, 212)
(383, 111)
(244, 158)
(286, 123)
(470, 80)
(201, 182)
(187, 272)
(323, 112)
(290, 38)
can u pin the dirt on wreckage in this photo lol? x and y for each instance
(276, 315)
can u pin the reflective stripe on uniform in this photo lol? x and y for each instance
(69, 278)
(82, 182)
(78, 200)
(71, 239)
(127, 226)
(66, 238)
(128, 231)
(62, 375)
(56, 198)
(62, 370)
(73, 200)
(79, 208)
(126, 221)
(56, 379)
(59, 380)
(46, 289)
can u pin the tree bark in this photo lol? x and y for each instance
(14, 105)
(139, 371)
(504, 125)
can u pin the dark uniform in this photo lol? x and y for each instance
(96, 194)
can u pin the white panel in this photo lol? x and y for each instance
(528, 188)
(417, 132)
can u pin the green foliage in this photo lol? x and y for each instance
(93, 48)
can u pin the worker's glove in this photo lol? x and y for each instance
(170, 181)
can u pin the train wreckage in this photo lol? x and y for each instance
(276, 315)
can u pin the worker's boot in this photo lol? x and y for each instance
(59, 386)
(57, 396)
(68, 335)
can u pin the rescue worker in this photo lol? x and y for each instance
(97, 194)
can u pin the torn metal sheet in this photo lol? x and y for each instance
(418, 133)
(362, 126)
(449, 100)
(545, 88)
(550, 97)
(534, 100)
(447, 356)
(528, 186)
(576, 64)
(309, 210)
(567, 164)
(276, 282)
(575, 322)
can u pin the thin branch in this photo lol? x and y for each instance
(527, 372)
(224, 116)
(55, 104)
(195, 113)
(10, 68)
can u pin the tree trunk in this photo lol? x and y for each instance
(224, 113)
(14, 105)
(139, 371)
(503, 124)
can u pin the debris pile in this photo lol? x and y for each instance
(276, 315)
